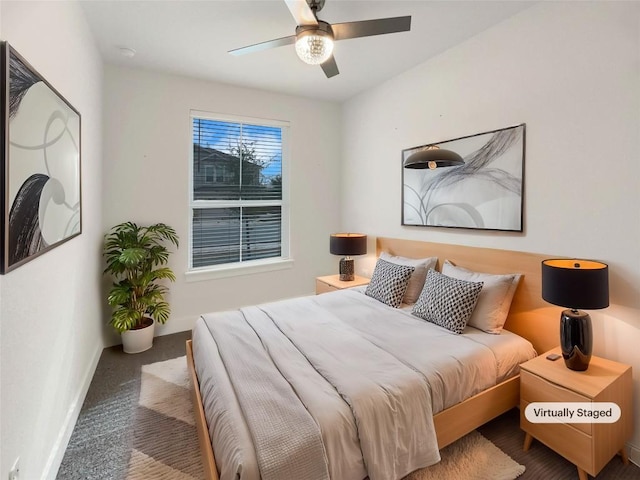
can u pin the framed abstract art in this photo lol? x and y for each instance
(40, 159)
(478, 184)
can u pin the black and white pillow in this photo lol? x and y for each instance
(447, 301)
(419, 275)
(389, 282)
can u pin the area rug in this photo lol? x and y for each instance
(473, 457)
(165, 443)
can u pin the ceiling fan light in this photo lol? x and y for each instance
(314, 46)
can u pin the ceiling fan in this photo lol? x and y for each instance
(314, 38)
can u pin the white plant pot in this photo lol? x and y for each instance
(136, 341)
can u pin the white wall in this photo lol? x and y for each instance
(51, 328)
(146, 179)
(569, 70)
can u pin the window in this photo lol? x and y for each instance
(239, 215)
(208, 173)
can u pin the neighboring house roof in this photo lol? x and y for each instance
(211, 155)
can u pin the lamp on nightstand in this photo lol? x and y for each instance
(347, 244)
(576, 284)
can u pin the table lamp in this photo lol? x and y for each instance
(347, 244)
(576, 284)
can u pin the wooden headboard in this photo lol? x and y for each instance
(530, 316)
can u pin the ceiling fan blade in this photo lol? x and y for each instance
(278, 42)
(366, 28)
(301, 12)
(329, 67)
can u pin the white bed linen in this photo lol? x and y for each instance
(455, 367)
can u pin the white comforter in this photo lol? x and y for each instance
(368, 377)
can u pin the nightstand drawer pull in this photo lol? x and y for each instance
(537, 388)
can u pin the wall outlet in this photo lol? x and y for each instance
(14, 473)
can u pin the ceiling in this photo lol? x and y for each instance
(192, 38)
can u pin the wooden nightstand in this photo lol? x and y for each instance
(333, 282)
(589, 446)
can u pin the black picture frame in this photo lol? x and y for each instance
(41, 196)
(486, 193)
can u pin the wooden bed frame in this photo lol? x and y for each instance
(529, 316)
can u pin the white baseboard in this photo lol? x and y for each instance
(634, 454)
(176, 325)
(60, 446)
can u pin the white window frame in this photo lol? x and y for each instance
(251, 266)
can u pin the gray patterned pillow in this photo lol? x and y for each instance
(416, 282)
(447, 301)
(389, 282)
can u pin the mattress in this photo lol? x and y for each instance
(303, 346)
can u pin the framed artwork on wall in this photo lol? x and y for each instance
(472, 182)
(40, 159)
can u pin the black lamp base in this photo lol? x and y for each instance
(576, 339)
(347, 270)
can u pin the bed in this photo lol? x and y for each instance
(329, 329)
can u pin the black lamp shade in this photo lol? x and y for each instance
(433, 157)
(576, 284)
(348, 244)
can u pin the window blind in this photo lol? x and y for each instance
(237, 195)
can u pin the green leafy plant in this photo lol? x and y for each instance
(136, 257)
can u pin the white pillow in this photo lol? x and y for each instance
(416, 282)
(495, 298)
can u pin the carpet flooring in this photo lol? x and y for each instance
(165, 445)
(104, 446)
(102, 441)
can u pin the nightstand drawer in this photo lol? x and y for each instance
(572, 444)
(536, 389)
(331, 283)
(322, 287)
(589, 446)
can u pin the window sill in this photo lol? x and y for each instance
(199, 275)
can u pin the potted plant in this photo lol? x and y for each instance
(136, 260)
